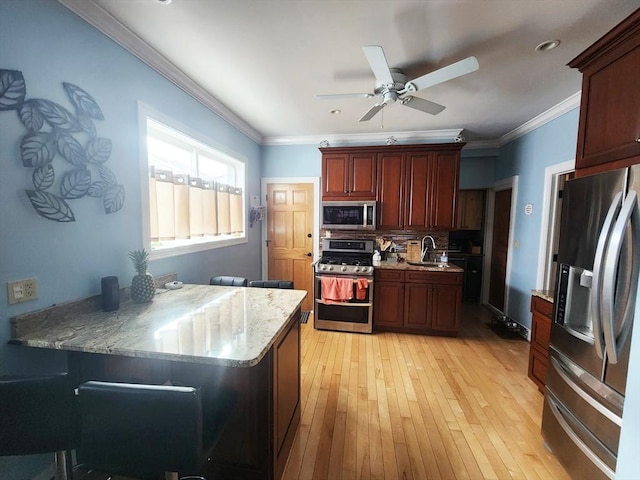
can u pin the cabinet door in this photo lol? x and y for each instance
(418, 190)
(388, 301)
(417, 306)
(470, 210)
(443, 190)
(335, 175)
(446, 302)
(362, 176)
(391, 191)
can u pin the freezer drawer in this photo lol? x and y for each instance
(581, 454)
(594, 404)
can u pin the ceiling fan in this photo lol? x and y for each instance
(392, 85)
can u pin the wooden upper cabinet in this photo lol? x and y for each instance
(391, 172)
(470, 210)
(609, 127)
(415, 186)
(349, 175)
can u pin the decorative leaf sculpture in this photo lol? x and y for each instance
(98, 150)
(83, 102)
(37, 149)
(113, 199)
(12, 89)
(71, 150)
(50, 206)
(75, 184)
(30, 116)
(57, 116)
(51, 130)
(43, 177)
(98, 189)
(107, 175)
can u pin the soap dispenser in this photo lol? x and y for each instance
(443, 257)
(376, 258)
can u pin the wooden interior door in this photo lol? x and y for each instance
(290, 236)
(500, 248)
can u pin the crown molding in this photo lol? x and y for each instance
(96, 16)
(424, 136)
(545, 117)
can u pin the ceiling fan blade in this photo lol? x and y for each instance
(372, 111)
(378, 63)
(422, 105)
(468, 65)
(338, 96)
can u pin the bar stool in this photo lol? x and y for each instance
(228, 281)
(38, 414)
(287, 284)
(146, 431)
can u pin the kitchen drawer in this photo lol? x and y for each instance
(541, 306)
(433, 277)
(538, 362)
(384, 275)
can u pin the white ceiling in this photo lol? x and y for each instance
(265, 60)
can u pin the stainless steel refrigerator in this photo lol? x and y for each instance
(597, 283)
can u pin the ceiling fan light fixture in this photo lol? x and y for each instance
(547, 45)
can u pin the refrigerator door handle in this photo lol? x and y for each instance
(596, 284)
(564, 424)
(617, 318)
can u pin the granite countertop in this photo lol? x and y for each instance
(544, 294)
(449, 268)
(230, 326)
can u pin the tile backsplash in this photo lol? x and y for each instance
(399, 238)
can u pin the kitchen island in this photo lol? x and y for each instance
(243, 340)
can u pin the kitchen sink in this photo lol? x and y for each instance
(427, 264)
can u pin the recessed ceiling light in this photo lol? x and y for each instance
(548, 45)
(164, 2)
(335, 111)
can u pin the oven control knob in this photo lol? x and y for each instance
(330, 267)
(356, 270)
(344, 269)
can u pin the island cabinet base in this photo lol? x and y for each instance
(265, 410)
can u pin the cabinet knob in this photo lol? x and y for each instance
(638, 140)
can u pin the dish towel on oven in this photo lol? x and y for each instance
(361, 291)
(336, 289)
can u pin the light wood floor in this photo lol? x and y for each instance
(396, 406)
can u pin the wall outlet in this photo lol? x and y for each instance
(22, 290)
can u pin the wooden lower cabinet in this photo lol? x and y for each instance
(541, 315)
(417, 302)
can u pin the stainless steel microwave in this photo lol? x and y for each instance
(348, 215)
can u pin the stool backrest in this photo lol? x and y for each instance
(288, 284)
(228, 281)
(140, 430)
(38, 414)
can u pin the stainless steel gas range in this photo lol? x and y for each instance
(343, 286)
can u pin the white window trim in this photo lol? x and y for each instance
(145, 111)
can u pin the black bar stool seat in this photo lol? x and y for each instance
(228, 281)
(287, 284)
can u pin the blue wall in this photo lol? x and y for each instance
(51, 45)
(527, 157)
(291, 161)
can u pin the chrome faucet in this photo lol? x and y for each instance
(425, 249)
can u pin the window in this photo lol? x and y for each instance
(194, 191)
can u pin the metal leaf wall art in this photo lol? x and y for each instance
(55, 132)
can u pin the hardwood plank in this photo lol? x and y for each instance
(401, 406)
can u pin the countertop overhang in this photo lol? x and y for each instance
(215, 325)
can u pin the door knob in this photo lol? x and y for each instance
(309, 235)
(309, 254)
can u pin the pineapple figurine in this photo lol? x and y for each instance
(142, 286)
